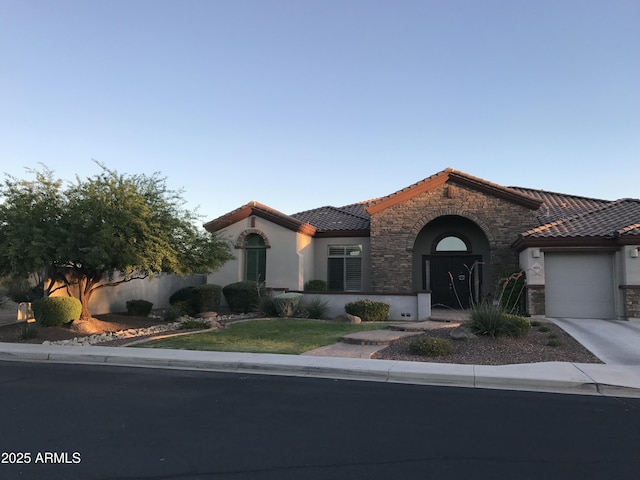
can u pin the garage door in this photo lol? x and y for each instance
(579, 285)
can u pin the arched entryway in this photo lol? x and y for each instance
(450, 258)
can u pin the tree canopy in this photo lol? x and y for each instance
(101, 231)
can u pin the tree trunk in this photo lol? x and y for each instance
(85, 289)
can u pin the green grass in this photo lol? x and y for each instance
(291, 336)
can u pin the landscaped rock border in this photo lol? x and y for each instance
(131, 333)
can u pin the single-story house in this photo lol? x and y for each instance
(452, 236)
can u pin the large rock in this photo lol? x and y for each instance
(347, 318)
(461, 333)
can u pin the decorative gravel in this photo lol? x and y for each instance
(497, 351)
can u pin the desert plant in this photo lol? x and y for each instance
(316, 307)
(198, 298)
(287, 304)
(368, 310)
(174, 312)
(510, 292)
(487, 319)
(430, 347)
(51, 311)
(243, 297)
(491, 320)
(267, 306)
(315, 286)
(27, 331)
(139, 307)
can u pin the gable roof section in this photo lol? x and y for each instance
(262, 211)
(350, 220)
(617, 220)
(460, 178)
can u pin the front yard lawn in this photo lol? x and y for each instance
(292, 336)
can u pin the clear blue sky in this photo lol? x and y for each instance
(300, 104)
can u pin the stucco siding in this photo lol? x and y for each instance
(321, 246)
(288, 256)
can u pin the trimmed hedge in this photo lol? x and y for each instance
(53, 311)
(139, 307)
(197, 298)
(368, 310)
(315, 286)
(243, 297)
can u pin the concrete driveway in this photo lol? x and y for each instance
(615, 342)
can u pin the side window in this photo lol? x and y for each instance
(344, 268)
(255, 258)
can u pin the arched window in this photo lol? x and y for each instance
(451, 243)
(255, 258)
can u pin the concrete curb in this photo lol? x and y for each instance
(556, 377)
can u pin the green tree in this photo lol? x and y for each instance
(101, 231)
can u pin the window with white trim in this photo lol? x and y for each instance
(344, 268)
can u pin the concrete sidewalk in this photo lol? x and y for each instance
(556, 377)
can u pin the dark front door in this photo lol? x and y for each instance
(454, 280)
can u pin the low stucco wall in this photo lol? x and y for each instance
(406, 307)
(156, 290)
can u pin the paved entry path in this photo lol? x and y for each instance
(615, 342)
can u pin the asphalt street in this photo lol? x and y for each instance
(99, 422)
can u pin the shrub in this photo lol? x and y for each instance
(543, 329)
(517, 326)
(430, 347)
(267, 306)
(315, 286)
(368, 310)
(192, 324)
(554, 342)
(139, 307)
(19, 290)
(287, 304)
(51, 311)
(316, 307)
(491, 320)
(243, 297)
(197, 298)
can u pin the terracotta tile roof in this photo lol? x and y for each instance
(352, 217)
(610, 220)
(556, 206)
(263, 211)
(559, 215)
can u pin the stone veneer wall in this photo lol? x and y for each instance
(631, 298)
(535, 300)
(394, 231)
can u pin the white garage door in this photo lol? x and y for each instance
(579, 285)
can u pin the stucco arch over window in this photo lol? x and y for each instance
(241, 241)
(420, 224)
